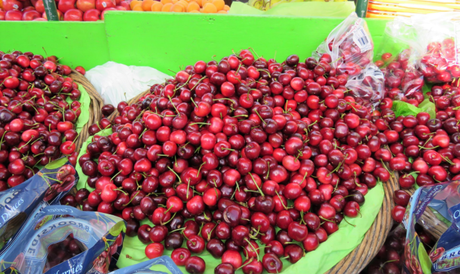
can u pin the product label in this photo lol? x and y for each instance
(361, 39)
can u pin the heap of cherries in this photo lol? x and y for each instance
(234, 154)
(37, 123)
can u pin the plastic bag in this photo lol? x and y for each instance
(117, 82)
(349, 45)
(100, 236)
(45, 188)
(369, 84)
(438, 34)
(398, 55)
(444, 257)
(154, 266)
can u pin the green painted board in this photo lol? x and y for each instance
(76, 43)
(167, 41)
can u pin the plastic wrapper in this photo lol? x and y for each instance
(369, 84)
(99, 236)
(438, 35)
(398, 55)
(445, 256)
(117, 82)
(349, 45)
(160, 265)
(45, 188)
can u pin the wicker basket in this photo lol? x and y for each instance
(430, 222)
(375, 237)
(95, 114)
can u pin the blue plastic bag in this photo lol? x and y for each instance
(146, 267)
(45, 188)
(100, 234)
(445, 255)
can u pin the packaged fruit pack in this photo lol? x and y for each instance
(63, 239)
(397, 57)
(438, 36)
(349, 45)
(444, 256)
(155, 266)
(45, 188)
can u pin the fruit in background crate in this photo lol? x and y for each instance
(86, 5)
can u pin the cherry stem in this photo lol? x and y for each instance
(277, 194)
(111, 179)
(261, 193)
(348, 222)
(199, 169)
(260, 116)
(137, 193)
(177, 175)
(250, 261)
(268, 172)
(188, 187)
(255, 250)
(140, 136)
(172, 217)
(447, 160)
(193, 101)
(201, 79)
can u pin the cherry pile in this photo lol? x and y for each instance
(37, 124)
(227, 153)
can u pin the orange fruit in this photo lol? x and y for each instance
(156, 6)
(165, 1)
(219, 4)
(204, 2)
(193, 6)
(138, 7)
(134, 3)
(226, 7)
(167, 7)
(198, 2)
(177, 8)
(147, 5)
(183, 3)
(223, 11)
(209, 8)
(194, 11)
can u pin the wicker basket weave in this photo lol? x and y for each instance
(95, 114)
(375, 237)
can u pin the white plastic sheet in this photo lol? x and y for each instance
(117, 82)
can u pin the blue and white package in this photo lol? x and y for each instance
(101, 236)
(45, 188)
(153, 266)
(445, 255)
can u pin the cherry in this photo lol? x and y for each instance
(195, 265)
(271, 263)
(154, 250)
(180, 256)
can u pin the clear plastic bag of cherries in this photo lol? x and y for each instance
(350, 46)
(438, 35)
(398, 57)
(63, 239)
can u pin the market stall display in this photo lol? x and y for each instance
(243, 163)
